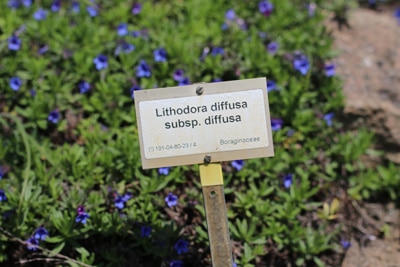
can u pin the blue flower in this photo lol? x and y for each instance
(101, 62)
(40, 14)
(328, 118)
(171, 200)
(43, 49)
(82, 218)
(92, 11)
(82, 215)
(32, 243)
(397, 14)
(230, 14)
(345, 244)
(54, 116)
(181, 246)
(145, 231)
(271, 85)
(137, 7)
(184, 81)
(75, 7)
(178, 75)
(15, 83)
(301, 63)
(276, 124)
(164, 170)
(216, 80)
(127, 48)
(143, 70)
(14, 43)
(288, 180)
(311, 9)
(41, 233)
(262, 35)
(55, 6)
(265, 8)
(127, 196)
(241, 23)
(136, 33)
(176, 263)
(272, 48)
(122, 29)
(205, 52)
(3, 196)
(32, 92)
(217, 51)
(119, 201)
(84, 87)
(329, 69)
(14, 4)
(160, 55)
(124, 48)
(133, 89)
(27, 3)
(238, 164)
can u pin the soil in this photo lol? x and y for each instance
(375, 232)
(369, 64)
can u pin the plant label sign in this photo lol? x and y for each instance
(210, 122)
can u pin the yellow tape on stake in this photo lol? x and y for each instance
(211, 174)
(217, 221)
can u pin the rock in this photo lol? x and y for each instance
(369, 64)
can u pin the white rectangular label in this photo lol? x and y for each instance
(203, 124)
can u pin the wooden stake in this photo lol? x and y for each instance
(217, 220)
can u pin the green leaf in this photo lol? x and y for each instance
(54, 239)
(57, 249)
(318, 262)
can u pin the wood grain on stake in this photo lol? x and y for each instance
(217, 221)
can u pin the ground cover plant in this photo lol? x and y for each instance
(72, 190)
